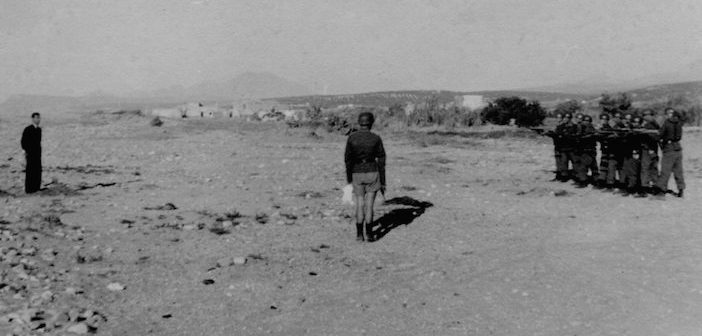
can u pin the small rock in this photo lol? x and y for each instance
(227, 224)
(239, 260)
(80, 328)
(208, 281)
(189, 227)
(115, 286)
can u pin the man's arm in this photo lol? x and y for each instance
(348, 161)
(25, 139)
(381, 162)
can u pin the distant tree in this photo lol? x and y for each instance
(570, 106)
(620, 103)
(525, 113)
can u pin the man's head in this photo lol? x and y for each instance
(604, 118)
(637, 121)
(567, 117)
(617, 115)
(672, 114)
(366, 119)
(587, 120)
(647, 114)
(36, 118)
(578, 117)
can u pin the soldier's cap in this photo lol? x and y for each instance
(587, 118)
(568, 116)
(647, 112)
(604, 116)
(578, 115)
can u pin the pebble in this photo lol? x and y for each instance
(239, 260)
(115, 286)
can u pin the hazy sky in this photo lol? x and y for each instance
(74, 47)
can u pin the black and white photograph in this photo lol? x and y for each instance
(362, 167)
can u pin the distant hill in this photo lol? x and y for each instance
(690, 90)
(389, 98)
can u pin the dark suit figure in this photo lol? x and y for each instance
(31, 144)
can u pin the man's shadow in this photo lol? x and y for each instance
(411, 209)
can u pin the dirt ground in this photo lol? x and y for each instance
(231, 228)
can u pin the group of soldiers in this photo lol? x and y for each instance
(629, 152)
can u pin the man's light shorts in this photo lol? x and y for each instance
(364, 183)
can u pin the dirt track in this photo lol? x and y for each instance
(476, 240)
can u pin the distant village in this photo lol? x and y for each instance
(272, 110)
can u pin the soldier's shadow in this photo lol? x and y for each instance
(410, 210)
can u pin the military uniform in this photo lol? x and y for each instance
(608, 163)
(586, 152)
(649, 155)
(565, 133)
(672, 163)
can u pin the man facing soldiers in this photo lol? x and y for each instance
(31, 144)
(670, 135)
(608, 163)
(565, 132)
(585, 152)
(649, 152)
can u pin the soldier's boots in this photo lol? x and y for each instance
(359, 232)
(680, 193)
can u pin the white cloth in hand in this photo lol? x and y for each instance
(347, 198)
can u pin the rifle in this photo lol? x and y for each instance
(544, 131)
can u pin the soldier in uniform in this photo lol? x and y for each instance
(649, 152)
(608, 163)
(632, 173)
(365, 170)
(586, 152)
(670, 135)
(561, 161)
(565, 132)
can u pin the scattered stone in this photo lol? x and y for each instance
(239, 260)
(167, 206)
(208, 281)
(261, 218)
(115, 286)
(156, 122)
(80, 329)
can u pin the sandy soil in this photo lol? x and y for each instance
(143, 230)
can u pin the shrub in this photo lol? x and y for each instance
(610, 104)
(503, 110)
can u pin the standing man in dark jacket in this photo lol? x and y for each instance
(31, 144)
(670, 135)
(365, 170)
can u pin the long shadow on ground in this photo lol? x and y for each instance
(411, 209)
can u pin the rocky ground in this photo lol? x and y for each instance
(227, 228)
